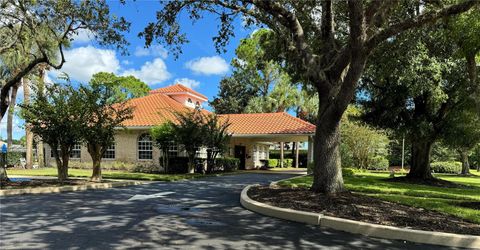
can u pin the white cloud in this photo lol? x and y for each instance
(17, 125)
(81, 63)
(213, 65)
(126, 62)
(151, 72)
(154, 50)
(187, 82)
(83, 36)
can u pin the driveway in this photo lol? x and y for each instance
(198, 214)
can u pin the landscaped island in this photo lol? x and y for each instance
(376, 198)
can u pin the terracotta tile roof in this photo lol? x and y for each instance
(153, 110)
(268, 123)
(177, 88)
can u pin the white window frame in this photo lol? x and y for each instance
(109, 150)
(144, 146)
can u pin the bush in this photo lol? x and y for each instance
(272, 163)
(228, 164)
(449, 167)
(147, 169)
(13, 158)
(178, 165)
(378, 163)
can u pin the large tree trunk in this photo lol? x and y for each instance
(28, 132)
(41, 89)
(420, 162)
(40, 153)
(95, 152)
(327, 172)
(465, 164)
(61, 159)
(3, 175)
(11, 111)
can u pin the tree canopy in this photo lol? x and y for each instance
(124, 87)
(324, 44)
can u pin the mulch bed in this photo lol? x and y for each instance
(363, 208)
(35, 183)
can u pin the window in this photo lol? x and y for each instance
(173, 150)
(145, 147)
(76, 151)
(109, 153)
(189, 100)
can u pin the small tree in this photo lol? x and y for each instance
(189, 132)
(163, 136)
(216, 138)
(103, 115)
(56, 117)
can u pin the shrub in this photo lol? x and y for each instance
(178, 165)
(13, 158)
(272, 163)
(147, 168)
(450, 167)
(378, 163)
(228, 164)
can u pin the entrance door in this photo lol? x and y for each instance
(240, 154)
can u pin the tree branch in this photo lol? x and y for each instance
(419, 21)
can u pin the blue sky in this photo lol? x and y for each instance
(199, 66)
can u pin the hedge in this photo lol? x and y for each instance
(449, 167)
(228, 164)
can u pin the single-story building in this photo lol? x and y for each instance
(252, 134)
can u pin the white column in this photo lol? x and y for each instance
(281, 154)
(310, 149)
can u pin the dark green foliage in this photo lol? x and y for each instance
(233, 96)
(13, 158)
(104, 111)
(57, 117)
(447, 167)
(124, 87)
(164, 137)
(228, 164)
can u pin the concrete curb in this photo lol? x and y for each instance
(48, 190)
(274, 183)
(368, 229)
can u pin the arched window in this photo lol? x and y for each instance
(145, 147)
(189, 100)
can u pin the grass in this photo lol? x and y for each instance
(440, 199)
(105, 174)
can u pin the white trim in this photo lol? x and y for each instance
(269, 135)
(187, 93)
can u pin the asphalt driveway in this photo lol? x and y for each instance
(198, 214)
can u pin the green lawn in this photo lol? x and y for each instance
(445, 200)
(105, 174)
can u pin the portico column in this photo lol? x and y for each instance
(310, 150)
(281, 154)
(297, 147)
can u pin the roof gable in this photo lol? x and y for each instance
(178, 89)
